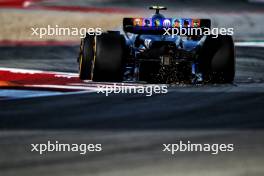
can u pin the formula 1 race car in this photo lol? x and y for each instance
(143, 52)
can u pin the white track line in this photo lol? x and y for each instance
(32, 71)
(10, 94)
(250, 44)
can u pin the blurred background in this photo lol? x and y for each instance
(18, 16)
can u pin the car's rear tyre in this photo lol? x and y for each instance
(86, 58)
(108, 65)
(217, 59)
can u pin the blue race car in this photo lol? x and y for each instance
(145, 51)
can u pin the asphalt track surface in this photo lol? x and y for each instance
(237, 106)
(132, 128)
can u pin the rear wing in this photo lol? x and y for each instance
(157, 25)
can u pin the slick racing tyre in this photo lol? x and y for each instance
(217, 59)
(86, 58)
(108, 65)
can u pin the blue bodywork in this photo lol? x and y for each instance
(177, 48)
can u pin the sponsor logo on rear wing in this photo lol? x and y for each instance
(157, 25)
